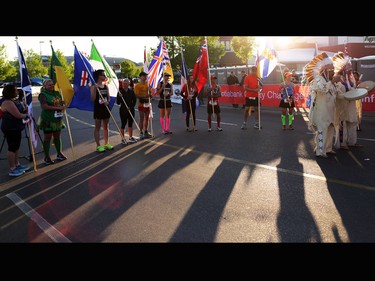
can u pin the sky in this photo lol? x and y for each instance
(128, 47)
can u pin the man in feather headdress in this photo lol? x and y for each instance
(346, 111)
(319, 72)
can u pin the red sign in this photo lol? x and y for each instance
(234, 94)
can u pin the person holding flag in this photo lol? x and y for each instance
(142, 92)
(165, 91)
(12, 126)
(252, 87)
(127, 100)
(101, 98)
(51, 120)
(213, 103)
(189, 93)
(286, 92)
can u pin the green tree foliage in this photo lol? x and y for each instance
(7, 69)
(34, 65)
(191, 46)
(129, 69)
(243, 47)
(68, 68)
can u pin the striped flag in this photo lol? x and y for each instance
(26, 87)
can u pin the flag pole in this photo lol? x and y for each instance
(68, 125)
(165, 101)
(150, 114)
(28, 123)
(29, 128)
(209, 78)
(110, 113)
(259, 82)
(127, 107)
(188, 92)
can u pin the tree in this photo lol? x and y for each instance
(68, 68)
(34, 64)
(243, 47)
(6, 68)
(129, 69)
(191, 46)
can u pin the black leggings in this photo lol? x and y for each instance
(13, 139)
(188, 111)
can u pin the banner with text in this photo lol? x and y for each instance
(234, 94)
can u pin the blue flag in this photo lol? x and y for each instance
(26, 87)
(83, 79)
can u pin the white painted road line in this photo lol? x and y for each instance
(48, 229)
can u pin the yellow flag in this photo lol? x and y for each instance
(63, 83)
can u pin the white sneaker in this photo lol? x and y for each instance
(132, 140)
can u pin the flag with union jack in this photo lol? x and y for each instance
(200, 71)
(155, 69)
(83, 79)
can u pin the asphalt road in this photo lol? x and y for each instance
(231, 186)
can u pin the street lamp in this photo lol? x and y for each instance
(40, 49)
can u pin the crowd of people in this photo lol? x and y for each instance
(334, 119)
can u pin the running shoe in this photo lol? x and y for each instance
(100, 149)
(48, 161)
(108, 146)
(61, 157)
(22, 167)
(15, 172)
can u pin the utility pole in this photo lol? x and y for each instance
(40, 50)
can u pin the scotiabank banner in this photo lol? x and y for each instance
(233, 94)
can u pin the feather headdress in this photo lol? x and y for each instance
(316, 66)
(341, 62)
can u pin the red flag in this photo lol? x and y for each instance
(200, 72)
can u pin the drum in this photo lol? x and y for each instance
(368, 85)
(355, 94)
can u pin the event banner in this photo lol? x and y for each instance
(269, 96)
